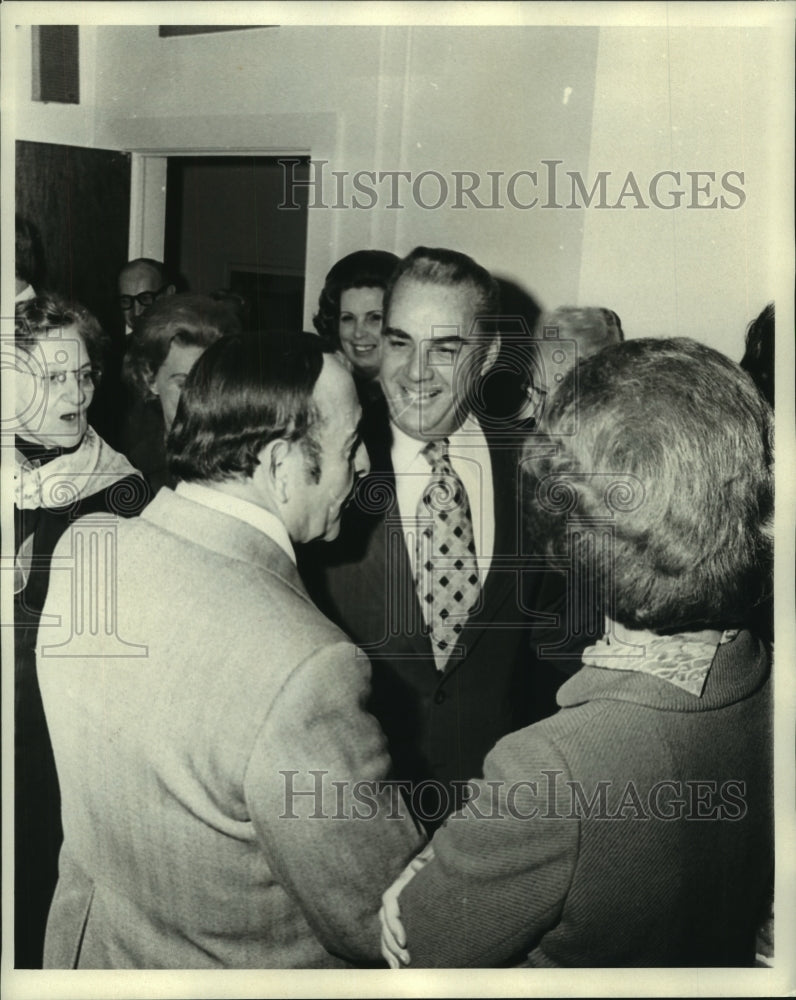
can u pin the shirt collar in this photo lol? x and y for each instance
(258, 517)
(405, 449)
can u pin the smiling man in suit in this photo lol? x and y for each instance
(220, 778)
(425, 576)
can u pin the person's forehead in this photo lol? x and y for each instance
(54, 353)
(432, 310)
(362, 293)
(59, 346)
(139, 278)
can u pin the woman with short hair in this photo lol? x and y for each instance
(167, 340)
(63, 469)
(350, 309)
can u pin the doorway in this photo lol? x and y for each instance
(225, 232)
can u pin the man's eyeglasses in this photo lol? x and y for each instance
(143, 298)
(86, 378)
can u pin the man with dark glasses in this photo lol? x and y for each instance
(141, 281)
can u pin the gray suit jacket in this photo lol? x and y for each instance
(183, 725)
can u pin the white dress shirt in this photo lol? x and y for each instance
(471, 461)
(258, 517)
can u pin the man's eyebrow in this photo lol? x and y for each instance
(453, 338)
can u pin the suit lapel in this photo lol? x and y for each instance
(387, 568)
(498, 586)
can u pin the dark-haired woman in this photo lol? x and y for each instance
(350, 308)
(62, 470)
(634, 827)
(350, 316)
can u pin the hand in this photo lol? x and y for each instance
(393, 935)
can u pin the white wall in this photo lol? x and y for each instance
(492, 99)
(685, 99)
(280, 90)
(479, 98)
(380, 99)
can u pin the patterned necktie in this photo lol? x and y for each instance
(447, 579)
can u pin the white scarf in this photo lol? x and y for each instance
(684, 659)
(92, 467)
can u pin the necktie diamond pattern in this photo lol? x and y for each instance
(447, 580)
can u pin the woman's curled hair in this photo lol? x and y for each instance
(185, 318)
(47, 313)
(665, 445)
(361, 269)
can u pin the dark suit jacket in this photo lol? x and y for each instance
(439, 725)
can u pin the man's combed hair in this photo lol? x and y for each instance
(244, 392)
(48, 314)
(451, 269)
(361, 269)
(686, 439)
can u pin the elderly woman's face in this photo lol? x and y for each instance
(169, 379)
(360, 329)
(54, 387)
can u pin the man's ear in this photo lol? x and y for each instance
(273, 473)
(491, 353)
(170, 290)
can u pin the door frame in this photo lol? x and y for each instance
(148, 181)
(290, 134)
